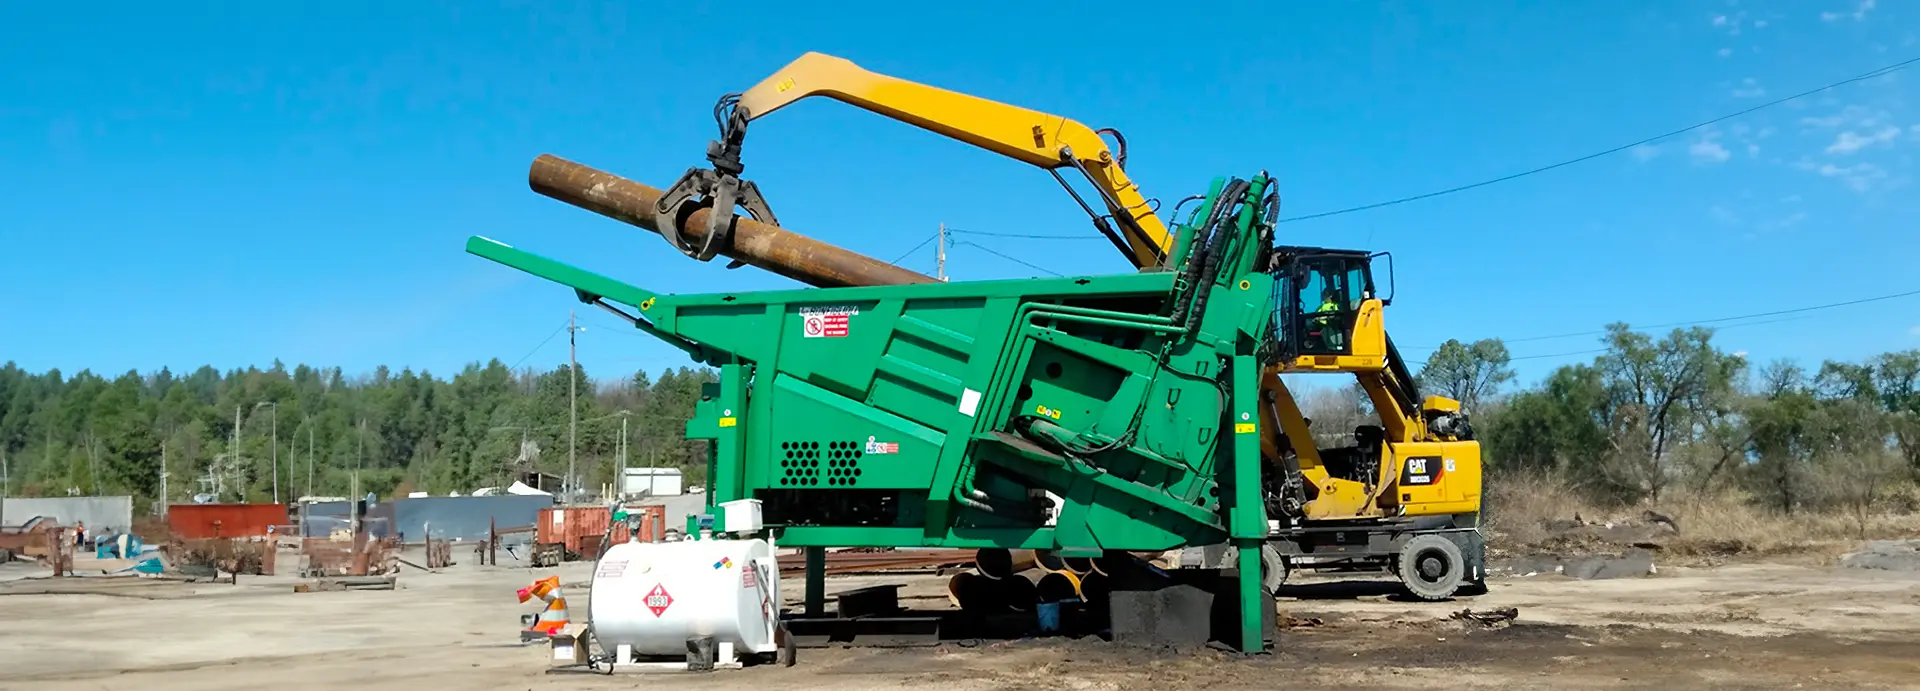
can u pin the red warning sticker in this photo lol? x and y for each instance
(658, 600)
(826, 322)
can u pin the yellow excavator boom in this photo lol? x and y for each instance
(1040, 139)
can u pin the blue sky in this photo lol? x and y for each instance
(232, 184)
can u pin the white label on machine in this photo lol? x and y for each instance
(611, 569)
(969, 402)
(826, 322)
(882, 447)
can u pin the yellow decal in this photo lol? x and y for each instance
(1245, 284)
(1243, 428)
(783, 86)
(727, 422)
(646, 304)
(1044, 411)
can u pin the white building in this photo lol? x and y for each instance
(651, 482)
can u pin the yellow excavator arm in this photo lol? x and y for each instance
(1047, 141)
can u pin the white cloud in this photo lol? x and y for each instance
(1708, 151)
(1859, 12)
(1860, 176)
(1723, 214)
(1730, 23)
(1644, 152)
(1790, 199)
(1850, 141)
(1749, 88)
(1915, 331)
(1851, 117)
(1753, 150)
(1724, 52)
(1759, 23)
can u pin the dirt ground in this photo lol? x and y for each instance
(1748, 626)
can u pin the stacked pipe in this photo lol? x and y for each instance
(997, 584)
(1005, 581)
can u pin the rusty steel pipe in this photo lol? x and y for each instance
(775, 249)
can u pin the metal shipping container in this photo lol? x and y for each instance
(579, 528)
(100, 514)
(204, 521)
(653, 522)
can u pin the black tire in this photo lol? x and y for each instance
(1273, 567)
(1431, 567)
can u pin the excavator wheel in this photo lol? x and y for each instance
(1431, 567)
(1273, 567)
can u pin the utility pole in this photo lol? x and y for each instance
(573, 406)
(163, 479)
(275, 406)
(620, 486)
(353, 494)
(276, 453)
(941, 270)
(233, 453)
(309, 455)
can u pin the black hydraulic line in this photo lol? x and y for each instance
(1209, 235)
(1222, 239)
(1406, 388)
(1099, 222)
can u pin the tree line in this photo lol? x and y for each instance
(1653, 416)
(1645, 418)
(226, 433)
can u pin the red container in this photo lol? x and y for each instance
(203, 521)
(579, 528)
(653, 522)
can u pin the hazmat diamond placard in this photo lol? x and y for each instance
(658, 600)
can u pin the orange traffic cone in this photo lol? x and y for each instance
(554, 617)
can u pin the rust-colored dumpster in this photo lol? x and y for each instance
(578, 528)
(206, 521)
(653, 522)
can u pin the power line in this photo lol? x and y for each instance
(997, 253)
(1889, 69)
(1023, 236)
(1717, 320)
(536, 349)
(916, 248)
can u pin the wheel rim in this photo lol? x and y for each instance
(1431, 566)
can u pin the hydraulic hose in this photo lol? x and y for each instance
(1209, 236)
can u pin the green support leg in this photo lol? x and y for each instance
(1252, 599)
(817, 581)
(1248, 516)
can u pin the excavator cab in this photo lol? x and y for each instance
(1325, 304)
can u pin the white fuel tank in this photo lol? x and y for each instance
(656, 596)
